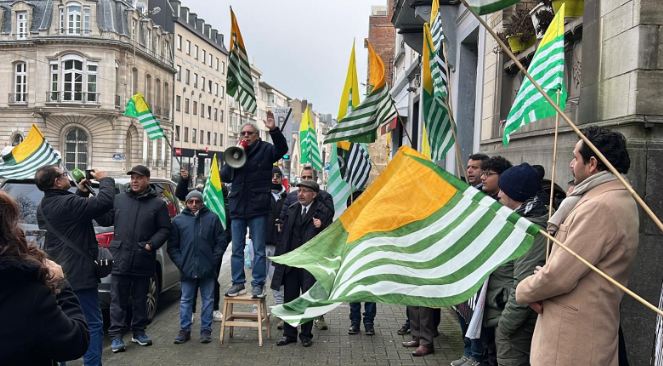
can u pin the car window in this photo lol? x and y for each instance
(28, 197)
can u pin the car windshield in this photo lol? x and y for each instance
(28, 197)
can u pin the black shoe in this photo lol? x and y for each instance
(182, 337)
(307, 342)
(369, 330)
(404, 330)
(354, 329)
(285, 340)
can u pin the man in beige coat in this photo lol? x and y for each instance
(579, 310)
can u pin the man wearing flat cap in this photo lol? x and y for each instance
(304, 219)
(142, 225)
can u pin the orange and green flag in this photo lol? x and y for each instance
(25, 158)
(433, 249)
(213, 193)
(137, 108)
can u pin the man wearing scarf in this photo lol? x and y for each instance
(579, 310)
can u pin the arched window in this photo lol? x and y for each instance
(73, 79)
(76, 149)
(20, 82)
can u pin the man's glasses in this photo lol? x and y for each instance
(195, 202)
(488, 174)
(304, 177)
(247, 133)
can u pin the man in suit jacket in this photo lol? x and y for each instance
(579, 310)
(305, 219)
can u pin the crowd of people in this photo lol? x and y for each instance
(543, 308)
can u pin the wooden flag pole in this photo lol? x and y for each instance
(601, 273)
(552, 173)
(407, 134)
(573, 126)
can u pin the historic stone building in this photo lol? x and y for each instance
(69, 67)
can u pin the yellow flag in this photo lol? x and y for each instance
(350, 94)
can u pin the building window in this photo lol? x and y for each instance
(20, 83)
(216, 89)
(21, 24)
(209, 138)
(209, 86)
(186, 106)
(223, 67)
(134, 80)
(188, 47)
(74, 19)
(202, 110)
(202, 83)
(221, 115)
(186, 134)
(204, 56)
(92, 82)
(202, 136)
(148, 88)
(194, 133)
(187, 78)
(86, 20)
(195, 52)
(209, 112)
(179, 72)
(179, 42)
(157, 101)
(177, 133)
(76, 149)
(222, 89)
(221, 139)
(166, 100)
(74, 79)
(217, 64)
(195, 80)
(216, 114)
(62, 20)
(178, 101)
(54, 81)
(215, 139)
(195, 108)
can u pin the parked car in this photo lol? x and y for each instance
(166, 274)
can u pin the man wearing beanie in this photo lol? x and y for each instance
(519, 186)
(197, 243)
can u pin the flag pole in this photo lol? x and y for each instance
(552, 173)
(571, 124)
(407, 134)
(601, 273)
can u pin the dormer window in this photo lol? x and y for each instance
(21, 25)
(74, 19)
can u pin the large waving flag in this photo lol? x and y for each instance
(25, 158)
(435, 248)
(239, 84)
(308, 141)
(490, 6)
(137, 108)
(338, 188)
(213, 193)
(435, 91)
(547, 68)
(361, 124)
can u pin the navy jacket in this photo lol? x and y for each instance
(251, 184)
(197, 243)
(71, 215)
(139, 219)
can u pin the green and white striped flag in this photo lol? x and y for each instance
(240, 83)
(308, 142)
(547, 68)
(490, 6)
(25, 158)
(437, 251)
(338, 188)
(435, 91)
(137, 108)
(361, 124)
(213, 193)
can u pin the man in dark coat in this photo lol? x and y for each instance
(274, 229)
(307, 173)
(305, 219)
(142, 225)
(197, 243)
(71, 242)
(250, 202)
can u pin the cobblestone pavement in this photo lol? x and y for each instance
(330, 347)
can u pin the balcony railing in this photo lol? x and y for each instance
(75, 97)
(18, 98)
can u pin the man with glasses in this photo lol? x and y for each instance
(250, 202)
(196, 246)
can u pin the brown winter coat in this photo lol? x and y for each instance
(580, 318)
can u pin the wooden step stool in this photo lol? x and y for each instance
(232, 319)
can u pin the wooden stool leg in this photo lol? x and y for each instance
(232, 328)
(260, 319)
(264, 306)
(225, 317)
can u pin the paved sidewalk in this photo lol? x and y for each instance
(330, 347)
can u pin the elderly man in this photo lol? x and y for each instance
(304, 220)
(578, 309)
(251, 203)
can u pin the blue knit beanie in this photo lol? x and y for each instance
(520, 182)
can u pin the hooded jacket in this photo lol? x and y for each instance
(197, 243)
(139, 219)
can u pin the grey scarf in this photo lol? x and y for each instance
(571, 200)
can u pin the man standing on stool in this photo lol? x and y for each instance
(304, 220)
(251, 202)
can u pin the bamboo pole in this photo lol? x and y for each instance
(602, 274)
(552, 174)
(573, 126)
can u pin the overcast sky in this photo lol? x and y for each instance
(301, 46)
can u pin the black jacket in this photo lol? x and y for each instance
(250, 191)
(139, 219)
(272, 236)
(69, 216)
(323, 196)
(317, 210)
(38, 327)
(182, 188)
(197, 243)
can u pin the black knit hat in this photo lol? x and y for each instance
(520, 182)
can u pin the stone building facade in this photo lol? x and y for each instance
(69, 67)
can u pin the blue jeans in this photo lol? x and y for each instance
(89, 300)
(186, 302)
(258, 227)
(369, 313)
(472, 347)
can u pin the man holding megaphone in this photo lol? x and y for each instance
(249, 171)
